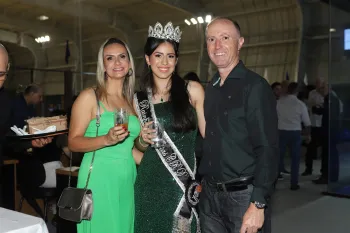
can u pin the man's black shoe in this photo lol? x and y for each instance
(320, 180)
(294, 187)
(306, 173)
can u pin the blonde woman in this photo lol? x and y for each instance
(114, 170)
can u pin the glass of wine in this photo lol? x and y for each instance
(121, 117)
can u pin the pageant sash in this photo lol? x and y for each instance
(177, 167)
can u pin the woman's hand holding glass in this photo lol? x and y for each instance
(147, 134)
(116, 135)
(152, 133)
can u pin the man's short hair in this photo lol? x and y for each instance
(293, 88)
(235, 23)
(32, 88)
(275, 84)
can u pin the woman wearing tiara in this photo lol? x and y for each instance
(166, 169)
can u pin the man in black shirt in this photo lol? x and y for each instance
(329, 136)
(240, 152)
(6, 115)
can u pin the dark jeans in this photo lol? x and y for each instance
(222, 212)
(311, 153)
(291, 139)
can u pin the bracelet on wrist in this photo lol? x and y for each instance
(142, 143)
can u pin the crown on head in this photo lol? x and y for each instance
(168, 32)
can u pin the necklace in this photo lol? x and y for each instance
(161, 97)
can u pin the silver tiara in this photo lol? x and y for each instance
(169, 32)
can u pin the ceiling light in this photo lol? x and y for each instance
(42, 39)
(193, 20)
(43, 17)
(208, 18)
(332, 30)
(200, 19)
(187, 22)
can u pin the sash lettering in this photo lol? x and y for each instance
(175, 164)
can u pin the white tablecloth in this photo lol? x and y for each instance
(15, 222)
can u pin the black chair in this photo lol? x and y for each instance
(31, 194)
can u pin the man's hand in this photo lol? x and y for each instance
(308, 139)
(253, 219)
(41, 142)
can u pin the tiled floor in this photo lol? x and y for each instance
(305, 210)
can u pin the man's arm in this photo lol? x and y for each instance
(262, 123)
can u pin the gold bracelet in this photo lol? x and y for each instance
(142, 143)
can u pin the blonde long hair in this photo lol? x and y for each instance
(129, 81)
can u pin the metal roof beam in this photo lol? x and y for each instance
(193, 7)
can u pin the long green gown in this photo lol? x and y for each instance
(157, 194)
(112, 180)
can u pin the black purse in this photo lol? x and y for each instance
(76, 204)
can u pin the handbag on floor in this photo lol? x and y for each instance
(76, 204)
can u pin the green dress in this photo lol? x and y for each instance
(112, 180)
(157, 194)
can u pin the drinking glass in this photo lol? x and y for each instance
(158, 139)
(121, 117)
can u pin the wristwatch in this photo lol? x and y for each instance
(259, 205)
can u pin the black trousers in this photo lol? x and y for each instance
(330, 157)
(311, 153)
(222, 212)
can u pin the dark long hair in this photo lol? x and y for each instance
(184, 117)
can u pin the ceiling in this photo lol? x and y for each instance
(97, 17)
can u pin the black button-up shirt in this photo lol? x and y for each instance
(241, 137)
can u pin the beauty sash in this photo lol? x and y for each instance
(177, 167)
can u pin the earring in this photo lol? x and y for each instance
(130, 72)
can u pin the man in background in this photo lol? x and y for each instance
(315, 104)
(277, 89)
(331, 111)
(24, 104)
(292, 112)
(6, 113)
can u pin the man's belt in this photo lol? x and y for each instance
(232, 185)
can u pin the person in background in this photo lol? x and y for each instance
(6, 113)
(331, 113)
(292, 112)
(24, 105)
(315, 103)
(240, 150)
(284, 87)
(114, 170)
(192, 76)
(277, 89)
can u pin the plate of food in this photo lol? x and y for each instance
(36, 136)
(40, 127)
